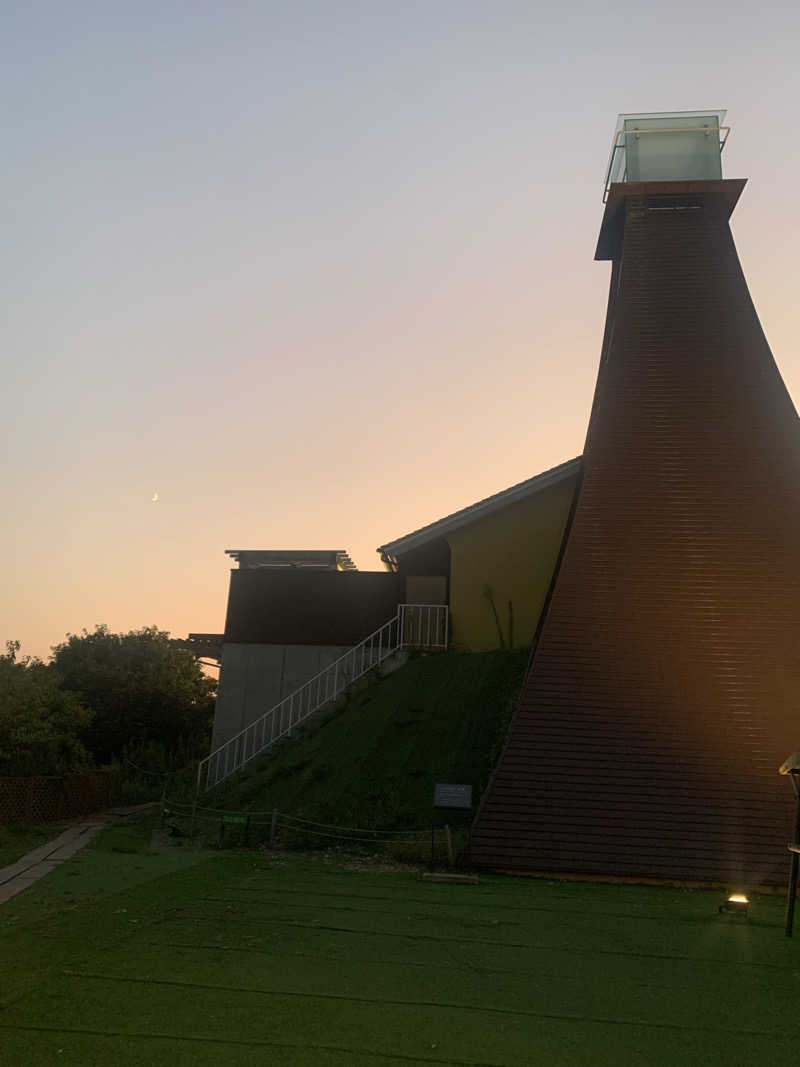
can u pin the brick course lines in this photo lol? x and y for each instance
(664, 690)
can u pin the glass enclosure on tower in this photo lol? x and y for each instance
(667, 146)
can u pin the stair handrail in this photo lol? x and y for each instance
(403, 630)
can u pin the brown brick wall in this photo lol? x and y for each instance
(663, 691)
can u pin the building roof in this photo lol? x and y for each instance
(336, 559)
(481, 509)
(209, 645)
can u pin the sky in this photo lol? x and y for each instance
(317, 274)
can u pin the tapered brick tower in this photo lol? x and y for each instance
(664, 689)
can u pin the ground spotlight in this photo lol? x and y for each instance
(736, 904)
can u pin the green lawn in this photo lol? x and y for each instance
(121, 957)
(15, 841)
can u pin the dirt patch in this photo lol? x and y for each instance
(373, 863)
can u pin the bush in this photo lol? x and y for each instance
(40, 724)
(141, 690)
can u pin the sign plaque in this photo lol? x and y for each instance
(446, 795)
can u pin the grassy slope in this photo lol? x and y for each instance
(374, 760)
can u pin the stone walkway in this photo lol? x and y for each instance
(18, 876)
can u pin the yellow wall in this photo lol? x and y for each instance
(513, 552)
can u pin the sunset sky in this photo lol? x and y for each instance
(320, 273)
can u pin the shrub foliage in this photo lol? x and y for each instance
(41, 725)
(140, 689)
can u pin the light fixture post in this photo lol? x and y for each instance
(791, 766)
(794, 849)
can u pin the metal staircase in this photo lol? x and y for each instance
(422, 626)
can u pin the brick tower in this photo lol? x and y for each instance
(664, 689)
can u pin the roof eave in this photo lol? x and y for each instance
(482, 509)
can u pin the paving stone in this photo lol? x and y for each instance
(41, 860)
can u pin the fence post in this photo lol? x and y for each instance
(163, 801)
(449, 839)
(273, 830)
(196, 795)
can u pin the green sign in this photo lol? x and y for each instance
(235, 820)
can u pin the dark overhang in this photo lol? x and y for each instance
(614, 214)
(209, 645)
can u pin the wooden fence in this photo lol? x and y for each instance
(44, 799)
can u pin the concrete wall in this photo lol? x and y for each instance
(254, 678)
(513, 552)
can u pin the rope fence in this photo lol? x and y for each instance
(282, 824)
(353, 829)
(154, 774)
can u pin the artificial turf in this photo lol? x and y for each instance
(186, 957)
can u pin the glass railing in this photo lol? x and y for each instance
(667, 146)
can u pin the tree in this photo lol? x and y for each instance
(40, 724)
(140, 688)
